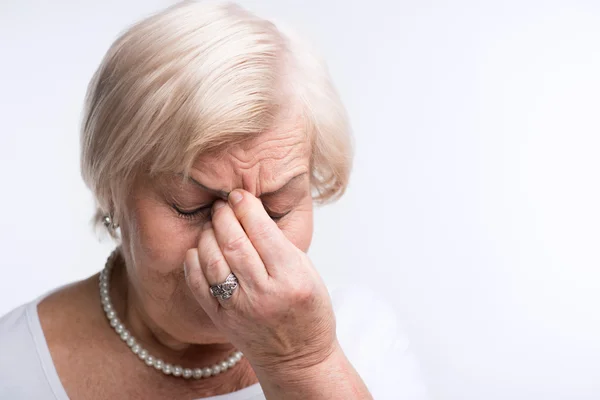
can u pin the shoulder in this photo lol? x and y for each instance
(22, 374)
(370, 334)
(27, 370)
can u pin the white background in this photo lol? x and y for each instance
(475, 197)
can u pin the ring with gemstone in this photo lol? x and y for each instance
(225, 289)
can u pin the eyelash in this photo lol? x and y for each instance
(191, 215)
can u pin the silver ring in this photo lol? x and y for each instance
(225, 289)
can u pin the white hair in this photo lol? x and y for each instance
(193, 78)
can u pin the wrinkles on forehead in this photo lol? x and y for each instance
(262, 164)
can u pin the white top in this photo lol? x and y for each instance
(367, 330)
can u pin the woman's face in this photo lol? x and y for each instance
(165, 216)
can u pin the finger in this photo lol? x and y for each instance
(212, 261)
(196, 281)
(263, 232)
(236, 247)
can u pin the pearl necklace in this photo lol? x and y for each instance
(137, 349)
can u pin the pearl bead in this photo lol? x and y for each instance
(168, 369)
(197, 373)
(151, 361)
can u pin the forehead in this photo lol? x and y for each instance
(260, 164)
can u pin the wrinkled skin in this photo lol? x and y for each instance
(281, 312)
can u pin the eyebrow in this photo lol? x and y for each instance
(224, 194)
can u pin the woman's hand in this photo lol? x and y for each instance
(280, 316)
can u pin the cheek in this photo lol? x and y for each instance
(156, 244)
(157, 238)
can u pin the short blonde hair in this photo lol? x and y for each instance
(195, 77)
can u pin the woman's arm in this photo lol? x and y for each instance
(334, 378)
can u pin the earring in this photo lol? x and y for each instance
(108, 222)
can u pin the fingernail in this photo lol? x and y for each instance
(218, 204)
(235, 197)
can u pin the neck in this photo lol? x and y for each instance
(156, 340)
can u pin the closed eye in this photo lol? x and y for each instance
(203, 211)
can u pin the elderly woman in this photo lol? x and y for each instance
(207, 135)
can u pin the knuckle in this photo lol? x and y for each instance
(262, 230)
(213, 264)
(303, 292)
(235, 245)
